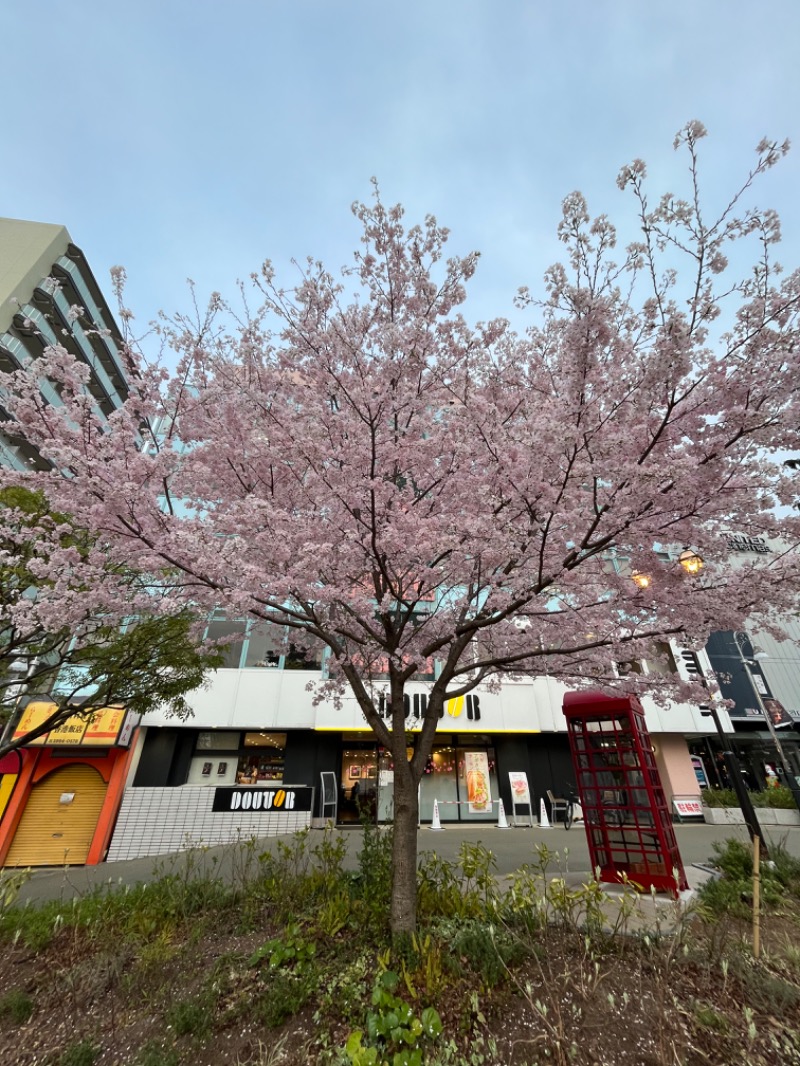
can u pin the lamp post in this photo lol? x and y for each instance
(748, 663)
(734, 769)
(14, 692)
(692, 563)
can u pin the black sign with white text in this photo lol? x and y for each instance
(266, 800)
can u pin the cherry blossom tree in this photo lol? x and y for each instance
(352, 460)
(78, 633)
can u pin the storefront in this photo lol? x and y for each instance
(68, 790)
(262, 731)
(759, 760)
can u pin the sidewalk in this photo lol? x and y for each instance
(512, 849)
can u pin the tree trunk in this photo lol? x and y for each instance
(404, 854)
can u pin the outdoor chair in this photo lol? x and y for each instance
(558, 806)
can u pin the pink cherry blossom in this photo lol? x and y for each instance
(352, 459)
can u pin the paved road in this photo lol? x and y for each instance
(512, 848)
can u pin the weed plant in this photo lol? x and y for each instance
(731, 893)
(544, 967)
(16, 1006)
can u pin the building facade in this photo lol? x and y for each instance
(258, 725)
(759, 674)
(59, 797)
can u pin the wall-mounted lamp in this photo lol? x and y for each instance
(642, 581)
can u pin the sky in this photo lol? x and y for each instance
(189, 138)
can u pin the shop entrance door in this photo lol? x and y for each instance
(358, 782)
(59, 819)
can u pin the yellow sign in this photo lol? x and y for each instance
(104, 726)
(455, 706)
(69, 732)
(32, 717)
(99, 729)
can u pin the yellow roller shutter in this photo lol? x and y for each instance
(52, 833)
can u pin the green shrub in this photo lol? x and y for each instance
(719, 797)
(155, 1054)
(732, 893)
(16, 1006)
(489, 950)
(286, 995)
(84, 1053)
(466, 888)
(779, 797)
(189, 1016)
(291, 951)
(393, 1032)
(707, 1018)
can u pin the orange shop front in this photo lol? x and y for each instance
(67, 796)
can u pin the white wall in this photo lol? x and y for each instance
(280, 699)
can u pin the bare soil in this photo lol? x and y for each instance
(632, 1004)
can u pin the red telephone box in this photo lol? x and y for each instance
(627, 820)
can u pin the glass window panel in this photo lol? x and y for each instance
(262, 760)
(264, 646)
(306, 657)
(439, 783)
(232, 651)
(463, 785)
(218, 740)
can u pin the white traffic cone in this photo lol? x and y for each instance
(436, 824)
(502, 821)
(544, 821)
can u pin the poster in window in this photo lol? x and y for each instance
(700, 771)
(479, 795)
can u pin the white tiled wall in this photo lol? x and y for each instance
(156, 821)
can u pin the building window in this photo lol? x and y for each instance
(308, 657)
(262, 759)
(218, 740)
(219, 629)
(264, 647)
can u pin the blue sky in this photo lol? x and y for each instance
(185, 138)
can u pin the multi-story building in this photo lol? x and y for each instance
(60, 796)
(44, 279)
(760, 674)
(256, 723)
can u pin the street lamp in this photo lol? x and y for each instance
(748, 663)
(734, 769)
(693, 563)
